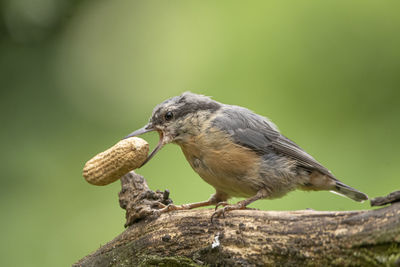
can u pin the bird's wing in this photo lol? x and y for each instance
(259, 134)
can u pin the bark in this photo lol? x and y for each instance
(248, 237)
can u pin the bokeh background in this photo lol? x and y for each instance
(76, 76)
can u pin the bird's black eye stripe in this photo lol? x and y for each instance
(168, 116)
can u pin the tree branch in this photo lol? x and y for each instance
(247, 237)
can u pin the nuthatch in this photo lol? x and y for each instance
(239, 153)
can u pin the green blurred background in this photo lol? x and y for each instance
(76, 76)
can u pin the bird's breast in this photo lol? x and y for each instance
(228, 167)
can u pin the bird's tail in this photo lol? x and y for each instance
(347, 191)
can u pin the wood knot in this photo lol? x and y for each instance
(166, 238)
(138, 200)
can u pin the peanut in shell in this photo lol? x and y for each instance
(110, 165)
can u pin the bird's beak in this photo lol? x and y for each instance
(146, 129)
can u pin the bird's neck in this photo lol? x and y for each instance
(191, 127)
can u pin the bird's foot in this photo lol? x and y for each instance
(222, 203)
(161, 208)
(172, 207)
(227, 207)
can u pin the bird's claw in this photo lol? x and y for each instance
(223, 203)
(225, 209)
(217, 213)
(168, 208)
(172, 207)
(158, 205)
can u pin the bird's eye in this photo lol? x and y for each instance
(168, 116)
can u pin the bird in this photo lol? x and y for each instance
(238, 152)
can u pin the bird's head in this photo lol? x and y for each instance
(178, 118)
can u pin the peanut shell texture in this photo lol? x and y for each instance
(110, 165)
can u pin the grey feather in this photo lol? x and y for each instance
(259, 134)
